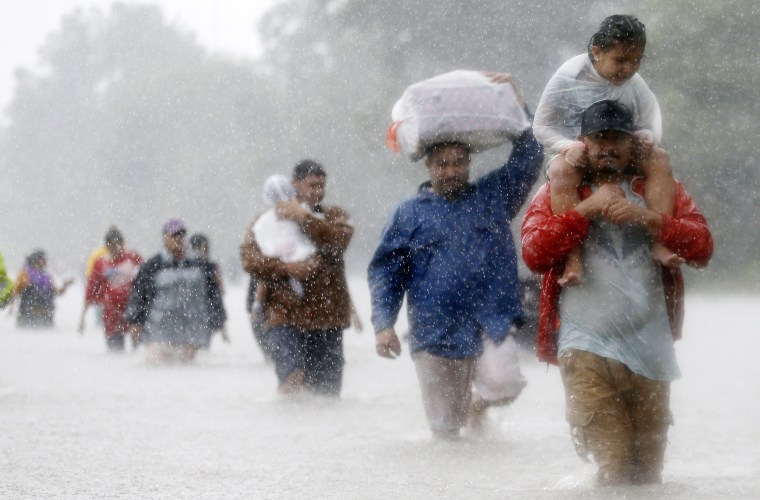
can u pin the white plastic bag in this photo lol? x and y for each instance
(460, 106)
(497, 371)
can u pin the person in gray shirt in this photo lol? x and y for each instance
(176, 301)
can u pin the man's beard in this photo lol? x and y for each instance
(605, 168)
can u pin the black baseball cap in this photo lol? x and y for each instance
(606, 115)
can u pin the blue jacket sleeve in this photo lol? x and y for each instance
(389, 272)
(513, 181)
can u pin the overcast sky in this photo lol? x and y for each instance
(222, 25)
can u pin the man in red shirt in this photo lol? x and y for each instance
(109, 285)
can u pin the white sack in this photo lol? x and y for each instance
(282, 238)
(497, 371)
(461, 106)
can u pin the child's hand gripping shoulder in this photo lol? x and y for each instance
(644, 144)
(575, 154)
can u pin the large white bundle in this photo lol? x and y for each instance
(461, 106)
(282, 238)
(276, 237)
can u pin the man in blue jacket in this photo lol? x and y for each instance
(450, 250)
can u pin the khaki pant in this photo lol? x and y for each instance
(445, 385)
(620, 417)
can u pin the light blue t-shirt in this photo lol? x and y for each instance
(618, 311)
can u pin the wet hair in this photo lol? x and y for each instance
(433, 147)
(113, 235)
(306, 168)
(618, 29)
(198, 241)
(36, 256)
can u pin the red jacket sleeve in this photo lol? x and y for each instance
(686, 232)
(548, 238)
(96, 284)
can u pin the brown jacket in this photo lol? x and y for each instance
(326, 303)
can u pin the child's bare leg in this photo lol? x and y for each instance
(660, 192)
(564, 180)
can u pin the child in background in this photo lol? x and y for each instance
(607, 71)
(200, 248)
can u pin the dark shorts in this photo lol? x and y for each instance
(319, 353)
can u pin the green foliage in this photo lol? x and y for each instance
(130, 121)
(702, 64)
(704, 70)
(345, 63)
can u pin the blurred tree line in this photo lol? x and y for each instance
(131, 121)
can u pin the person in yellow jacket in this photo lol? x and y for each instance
(93, 258)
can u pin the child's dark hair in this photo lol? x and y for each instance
(618, 29)
(198, 241)
(36, 257)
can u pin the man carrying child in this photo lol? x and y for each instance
(305, 323)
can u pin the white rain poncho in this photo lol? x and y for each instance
(574, 87)
(281, 238)
(460, 106)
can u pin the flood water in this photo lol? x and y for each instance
(76, 422)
